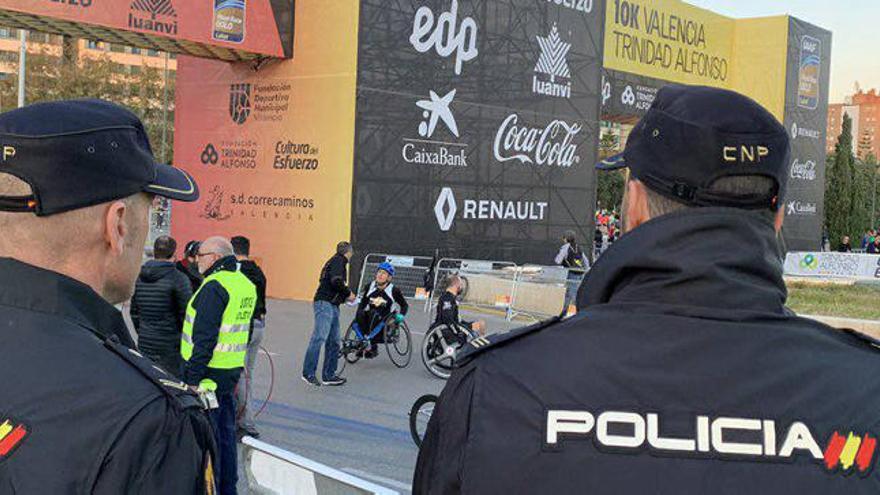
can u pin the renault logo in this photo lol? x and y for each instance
(445, 209)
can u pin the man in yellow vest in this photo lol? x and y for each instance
(214, 343)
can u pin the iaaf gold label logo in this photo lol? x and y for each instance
(267, 102)
(157, 16)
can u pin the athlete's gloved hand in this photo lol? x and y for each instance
(399, 318)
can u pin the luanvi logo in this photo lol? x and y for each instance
(730, 438)
(157, 16)
(446, 209)
(552, 64)
(445, 35)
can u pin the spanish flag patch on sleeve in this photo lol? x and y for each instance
(11, 436)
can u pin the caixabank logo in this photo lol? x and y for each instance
(157, 16)
(734, 439)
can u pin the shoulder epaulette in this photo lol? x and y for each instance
(481, 344)
(864, 338)
(170, 386)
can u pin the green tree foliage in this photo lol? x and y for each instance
(51, 76)
(609, 185)
(848, 190)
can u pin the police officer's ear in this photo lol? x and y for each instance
(635, 205)
(124, 221)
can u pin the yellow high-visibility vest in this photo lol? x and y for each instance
(232, 339)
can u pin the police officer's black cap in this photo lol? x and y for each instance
(80, 153)
(694, 135)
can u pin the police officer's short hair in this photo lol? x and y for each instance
(164, 247)
(659, 205)
(241, 245)
(343, 247)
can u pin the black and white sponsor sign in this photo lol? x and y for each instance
(475, 136)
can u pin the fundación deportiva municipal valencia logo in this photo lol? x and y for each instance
(240, 102)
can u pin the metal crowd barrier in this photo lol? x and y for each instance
(271, 470)
(409, 271)
(539, 291)
(485, 284)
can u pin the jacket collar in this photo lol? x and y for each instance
(714, 258)
(228, 263)
(36, 289)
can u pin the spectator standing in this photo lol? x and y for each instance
(158, 306)
(242, 247)
(572, 257)
(845, 246)
(214, 344)
(874, 246)
(332, 291)
(189, 266)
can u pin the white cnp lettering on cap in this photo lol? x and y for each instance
(710, 435)
(8, 152)
(745, 153)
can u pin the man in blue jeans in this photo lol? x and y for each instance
(332, 291)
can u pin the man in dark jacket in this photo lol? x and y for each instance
(332, 291)
(189, 266)
(683, 372)
(242, 247)
(159, 305)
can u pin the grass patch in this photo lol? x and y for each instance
(853, 301)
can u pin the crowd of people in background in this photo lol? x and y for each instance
(607, 231)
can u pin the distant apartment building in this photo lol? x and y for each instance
(130, 60)
(864, 110)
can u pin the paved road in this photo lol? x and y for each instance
(361, 428)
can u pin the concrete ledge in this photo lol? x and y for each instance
(868, 327)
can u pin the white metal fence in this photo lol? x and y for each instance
(272, 470)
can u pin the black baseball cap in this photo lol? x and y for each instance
(694, 135)
(79, 153)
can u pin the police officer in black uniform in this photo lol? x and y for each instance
(683, 372)
(80, 410)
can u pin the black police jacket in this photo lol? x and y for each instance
(80, 412)
(332, 284)
(682, 373)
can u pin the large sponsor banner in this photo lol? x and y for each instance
(477, 126)
(833, 265)
(806, 114)
(258, 26)
(670, 40)
(272, 148)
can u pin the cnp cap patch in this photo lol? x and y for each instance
(12, 434)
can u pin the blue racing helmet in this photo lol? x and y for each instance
(387, 267)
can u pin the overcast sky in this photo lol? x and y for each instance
(855, 28)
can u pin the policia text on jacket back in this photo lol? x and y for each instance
(81, 411)
(683, 372)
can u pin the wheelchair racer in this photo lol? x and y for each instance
(447, 314)
(376, 305)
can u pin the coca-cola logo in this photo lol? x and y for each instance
(551, 146)
(803, 170)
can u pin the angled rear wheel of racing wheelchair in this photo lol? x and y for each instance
(438, 353)
(398, 342)
(419, 416)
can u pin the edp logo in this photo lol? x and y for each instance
(445, 35)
